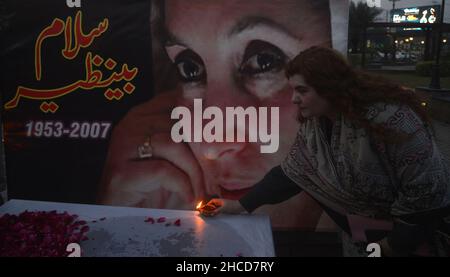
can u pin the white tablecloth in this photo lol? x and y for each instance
(122, 231)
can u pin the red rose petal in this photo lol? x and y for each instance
(150, 219)
(84, 229)
(161, 220)
(36, 234)
(177, 222)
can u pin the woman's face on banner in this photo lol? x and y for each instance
(232, 53)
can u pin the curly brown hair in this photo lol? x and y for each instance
(352, 91)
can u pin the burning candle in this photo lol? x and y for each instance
(207, 209)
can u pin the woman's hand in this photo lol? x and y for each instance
(218, 205)
(171, 178)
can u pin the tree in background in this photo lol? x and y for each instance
(361, 15)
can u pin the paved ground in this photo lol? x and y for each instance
(399, 68)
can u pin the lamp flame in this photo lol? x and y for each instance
(199, 205)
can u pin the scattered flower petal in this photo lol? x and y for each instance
(39, 234)
(150, 219)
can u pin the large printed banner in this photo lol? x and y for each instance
(137, 102)
(68, 75)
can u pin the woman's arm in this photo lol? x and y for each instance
(274, 188)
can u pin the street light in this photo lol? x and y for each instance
(393, 3)
(393, 30)
(435, 74)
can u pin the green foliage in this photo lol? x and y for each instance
(425, 68)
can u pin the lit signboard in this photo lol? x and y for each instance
(425, 14)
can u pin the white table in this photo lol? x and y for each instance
(124, 232)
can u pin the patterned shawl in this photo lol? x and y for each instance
(359, 174)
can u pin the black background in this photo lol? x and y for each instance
(63, 169)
